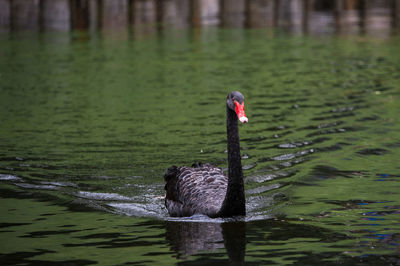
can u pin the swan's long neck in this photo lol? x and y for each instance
(234, 202)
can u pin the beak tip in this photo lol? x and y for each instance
(243, 119)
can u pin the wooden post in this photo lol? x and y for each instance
(195, 13)
(144, 12)
(79, 14)
(114, 14)
(25, 14)
(307, 10)
(209, 11)
(351, 4)
(362, 12)
(131, 11)
(259, 13)
(175, 13)
(247, 14)
(289, 14)
(232, 13)
(396, 14)
(5, 15)
(56, 15)
(94, 13)
(296, 17)
(284, 13)
(275, 18)
(144, 17)
(339, 5)
(159, 13)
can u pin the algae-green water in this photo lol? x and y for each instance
(88, 127)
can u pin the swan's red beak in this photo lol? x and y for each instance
(239, 109)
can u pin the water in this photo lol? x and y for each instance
(88, 127)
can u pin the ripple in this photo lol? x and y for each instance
(331, 131)
(5, 177)
(268, 177)
(368, 118)
(325, 171)
(102, 196)
(198, 218)
(284, 157)
(262, 189)
(33, 186)
(336, 116)
(249, 166)
(291, 145)
(377, 151)
(256, 205)
(387, 177)
(289, 156)
(342, 109)
(261, 178)
(134, 209)
(323, 125)
(392, 210)
(60, 184)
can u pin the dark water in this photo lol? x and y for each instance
(89, 125)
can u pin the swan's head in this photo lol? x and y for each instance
(235, 101)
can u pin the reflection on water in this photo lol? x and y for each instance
(188, 238)
(143, 16)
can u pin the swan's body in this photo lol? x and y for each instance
(203, 188)
(200, 189)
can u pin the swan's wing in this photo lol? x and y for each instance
(199, 190)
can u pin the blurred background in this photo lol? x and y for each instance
(298, 16)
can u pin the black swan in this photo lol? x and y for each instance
(203, 188)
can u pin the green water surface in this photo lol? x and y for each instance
(88, 125)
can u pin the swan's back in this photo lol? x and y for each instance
(195, 190)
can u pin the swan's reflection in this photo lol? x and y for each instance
(187, 238)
